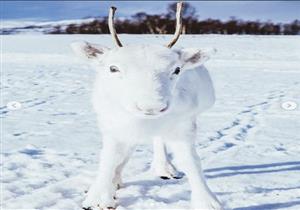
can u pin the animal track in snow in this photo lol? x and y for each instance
(246, 121)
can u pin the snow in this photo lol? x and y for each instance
(249, 145)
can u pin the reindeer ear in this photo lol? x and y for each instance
(193, 57)
(88, 50)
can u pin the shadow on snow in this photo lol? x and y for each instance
(270, 206)
(252, 169)
(259, 169)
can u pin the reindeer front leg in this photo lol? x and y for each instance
(188, 161)
(102, 191)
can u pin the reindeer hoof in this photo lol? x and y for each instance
(172, 177)
(164, 177)
(90, 208)
(87, 208)
(177, 177)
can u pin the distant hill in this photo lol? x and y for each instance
(35, 27)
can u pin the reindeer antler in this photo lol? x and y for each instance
(111, 26)
(178, 30)
(178, 24)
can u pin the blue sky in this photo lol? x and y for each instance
(277, 11)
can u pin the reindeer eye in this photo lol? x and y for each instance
(114, 69)
(177, 71)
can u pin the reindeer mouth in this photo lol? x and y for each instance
(152, 112)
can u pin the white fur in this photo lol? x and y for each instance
(146, 102)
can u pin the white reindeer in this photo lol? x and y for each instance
(145, 94)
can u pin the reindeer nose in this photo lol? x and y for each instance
(152, 110)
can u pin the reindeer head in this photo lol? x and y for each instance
(141, 78)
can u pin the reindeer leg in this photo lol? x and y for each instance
(102, 192)
(160, 164)
(189, 162)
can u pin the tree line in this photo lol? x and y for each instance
(143, 23)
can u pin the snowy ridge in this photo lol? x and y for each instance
(249, 145)
(36, 27)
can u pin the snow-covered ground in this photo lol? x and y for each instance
(249, 145)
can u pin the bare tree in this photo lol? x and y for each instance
(188, 15)
(188, 11)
